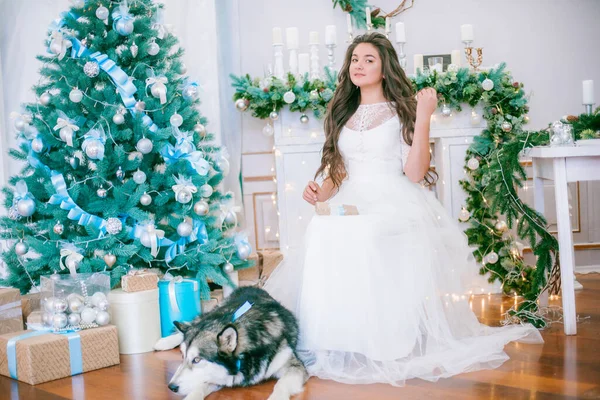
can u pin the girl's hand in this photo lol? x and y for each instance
(313, 193)
(426, 102)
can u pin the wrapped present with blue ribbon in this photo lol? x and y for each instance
(41, 356)
(179, 300)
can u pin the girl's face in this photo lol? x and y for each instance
(365, 66)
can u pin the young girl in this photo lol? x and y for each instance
(379, 296)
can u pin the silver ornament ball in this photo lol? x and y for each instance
(124, 27)
(184, 229)
(49, 304)
(21, 248)
(201, 208)
(230, 218)
(176, 120)
(206, 190)
(464, 215)
(97, 298)
(101, 192)
(190, 92)
(289, 97)
(274, 115)
(501, 226)
(228, 268)
(120, 173)
(60, 305)
(140, 106)
(241, 104)
(114, 226)
(144, 145)
(75, 95)
(487, 84)
(182, 69)
(37, 145)
(153, 49)
(58, 228)
(506, 126)
(304, 119)
(59, 320)
(118, 119)
(473, 164)
(102, 13)
(45, 98)
(102, 318)
(446, 110)
(244, 251)
(199, 129)
(47, 319)
(20, 124)
(88, 315)
(91, 69)
(75, 304)
(103, 305)
(94, 150)
(146, 199)
(139, 177)
(184, 196)
(74, 319)
(26, 207)
(492, 258)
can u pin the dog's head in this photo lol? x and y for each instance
(208, 356)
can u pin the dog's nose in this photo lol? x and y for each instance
(174, 388)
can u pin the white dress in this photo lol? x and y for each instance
(380, 296)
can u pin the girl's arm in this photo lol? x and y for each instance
(417, 164)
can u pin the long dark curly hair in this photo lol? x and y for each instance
(397, 88)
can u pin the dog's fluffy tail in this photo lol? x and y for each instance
(169, 342)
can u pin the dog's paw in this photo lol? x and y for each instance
(169, 342)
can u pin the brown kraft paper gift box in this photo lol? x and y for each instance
(11, 316)
(47, 356)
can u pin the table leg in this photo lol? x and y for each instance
(538, 204)
(565, 243)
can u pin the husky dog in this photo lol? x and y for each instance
(248, 339)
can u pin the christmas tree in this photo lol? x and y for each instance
(120, 171)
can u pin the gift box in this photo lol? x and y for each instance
(41, 356)
(11, 316)
(139, 280)
(34, 320)
(137, 318)
(270, 261)
(179, 300)
(30, 303)
(75, 301)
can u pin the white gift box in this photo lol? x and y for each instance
(137, 317)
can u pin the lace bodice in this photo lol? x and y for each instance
(372, 143)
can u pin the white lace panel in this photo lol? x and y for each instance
(369, 116)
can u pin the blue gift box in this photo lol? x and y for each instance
(179, 300)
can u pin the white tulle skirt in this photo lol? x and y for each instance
(381, 296)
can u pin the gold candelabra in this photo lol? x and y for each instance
(469, 54)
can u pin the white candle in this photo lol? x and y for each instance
(349, 23)
(388, 25)
(277, 38)
(303, 63)
(368, 13)
(330, 34)
(313, 37)
(400, 34)
(291, 35)
(455, 57)
(588, 92)
(466, 33)
(418, 61)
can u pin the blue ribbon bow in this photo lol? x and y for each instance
(184, 149)
(199, 233)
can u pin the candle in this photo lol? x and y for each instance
(400, 34)
(388, 25)
(466, 33)
(291, 35)
(303, 63)
(330, 35)
(368, 13)
(313, 37)
(277, 38)
(588, 92)
(418, 61)
(455, 57)
(349, 23)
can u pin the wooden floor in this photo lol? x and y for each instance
(563, 368)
